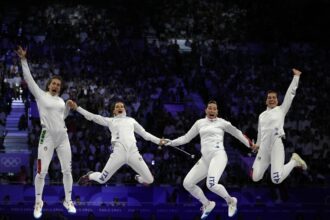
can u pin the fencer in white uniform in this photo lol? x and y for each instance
(52, 111)
(270, 134)
(214, 158)
(123, 141)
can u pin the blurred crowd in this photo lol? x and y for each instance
(105, 56)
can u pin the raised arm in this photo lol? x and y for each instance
(93, 117)
(193, 132)
(291, 92)
(231, 129)
(33, 87)
(146, 135)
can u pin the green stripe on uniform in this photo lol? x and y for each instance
(42, 136)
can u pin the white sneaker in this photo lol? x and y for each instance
(70, 207)
(207, 209)
(301, 163)
(37, 213)
(232, 207)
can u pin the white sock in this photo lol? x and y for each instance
(287, 168)
(198, 193)
(39, 183)
(220, 190)
(67, 182)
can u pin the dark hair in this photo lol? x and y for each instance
(212, 102)
(112, 108)
(50, 81)
(271, 91)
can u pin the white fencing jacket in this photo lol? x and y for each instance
(122, 128)
(271, 121)
(52, 109)
(211, 132)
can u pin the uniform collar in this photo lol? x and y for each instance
(213, 119)
(51, 94)
(122, 115)
(268, 108)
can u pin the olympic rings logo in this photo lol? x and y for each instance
(10, 161)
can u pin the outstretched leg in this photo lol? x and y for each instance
(117, 159)
(195, 175)
(45, 154)
(217, 166)
(64, 155)
(139, 165)
(260, 165)
(279, 171)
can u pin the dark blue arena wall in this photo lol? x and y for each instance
(164, 202)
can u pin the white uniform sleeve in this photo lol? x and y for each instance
(290, 94)
(66, 111)
(93, 117)
(33, 87)
(145, 135)
(193, 132)
(237, 134)
(259, 134)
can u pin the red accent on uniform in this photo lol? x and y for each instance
(39, 166)
(251, 173)
(249, 140)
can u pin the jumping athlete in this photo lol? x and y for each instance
(52, 111)
(214, 158)
(124, 146)
(270, 134)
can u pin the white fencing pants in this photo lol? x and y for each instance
(211, 167)
(117, 159)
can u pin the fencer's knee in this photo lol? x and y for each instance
(187, 184)
(210, 185)
(149, 180)
(41, 175)
(66, 172)
(256, 176)
(276, 181)
(276, 178)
